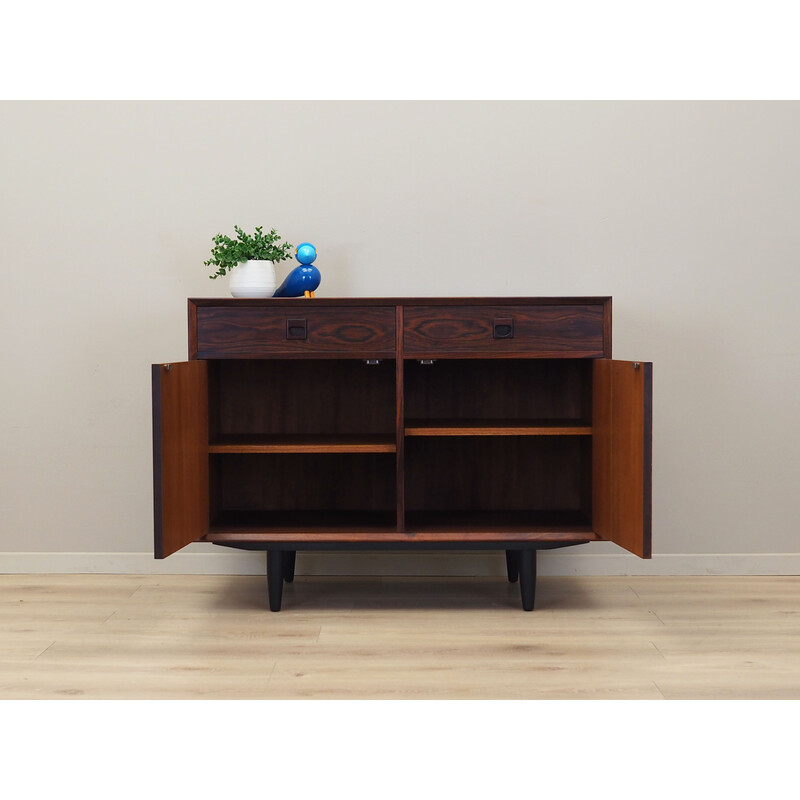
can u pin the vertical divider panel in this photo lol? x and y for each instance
(400, 421)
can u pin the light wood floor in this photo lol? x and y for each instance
(191, 636)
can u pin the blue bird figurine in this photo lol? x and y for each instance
(302, 280)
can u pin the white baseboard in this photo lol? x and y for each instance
(488, 564)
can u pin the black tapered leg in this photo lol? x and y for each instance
(275, 561)
(289, 557)
(512, 565)
(527, 577)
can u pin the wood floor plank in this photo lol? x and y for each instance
(22, 648)
(191, 636)
(473, 683)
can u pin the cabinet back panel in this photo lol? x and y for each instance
(507, 472)
(284, 482)
(498, 389)
(303, 397)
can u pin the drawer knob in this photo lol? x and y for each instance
(296, 329)
(504, 328)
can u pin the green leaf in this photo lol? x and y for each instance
(228, 252)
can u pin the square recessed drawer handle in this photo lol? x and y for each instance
(296, 329)
(504, 328)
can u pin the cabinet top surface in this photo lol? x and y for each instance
(395, 301)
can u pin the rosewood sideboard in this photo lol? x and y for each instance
(402, 423)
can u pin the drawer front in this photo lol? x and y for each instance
(546, 331)
(295, 332)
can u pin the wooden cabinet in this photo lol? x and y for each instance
(472, 423)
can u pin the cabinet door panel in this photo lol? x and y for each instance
(180, 454)
(622, 453)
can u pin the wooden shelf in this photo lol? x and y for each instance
(343, 443)
(496, 427)
(326, 539)
(443, 527)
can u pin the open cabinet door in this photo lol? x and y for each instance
(622, 453)
(180, 454)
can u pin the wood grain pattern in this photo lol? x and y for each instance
(111, 637)
(551, 525)
(304, 397)
(250, 443)
(180, 455)
(306, 482)
(538, 331)
(192, 308)
(417, 427)
(459, 474)
(304, 522)
(323, 537)
(326, 527)
(400, 412)
(286, 303)
(602, 442)
(622, 455)
(498, 390)
(260, 332)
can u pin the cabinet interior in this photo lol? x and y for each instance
(497, 443)
(530, 479)
(303, 397)
(303, 490)
(487, 444)
(515, 390)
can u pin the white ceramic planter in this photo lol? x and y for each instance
(253, 279)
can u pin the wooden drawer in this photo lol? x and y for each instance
(295, 332)
(504, 331)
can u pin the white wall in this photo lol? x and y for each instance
(685, 212)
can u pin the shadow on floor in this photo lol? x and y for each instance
(339, 593)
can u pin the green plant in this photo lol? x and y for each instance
(227, 252)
